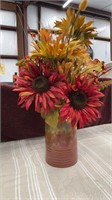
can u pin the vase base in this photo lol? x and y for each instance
(61, 148)
(61, 158)
(65, 165)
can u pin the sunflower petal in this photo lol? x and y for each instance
(29, 102)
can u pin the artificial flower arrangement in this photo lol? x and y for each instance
(59, 76)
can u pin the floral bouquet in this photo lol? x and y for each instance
(59, 76)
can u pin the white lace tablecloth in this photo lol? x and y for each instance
(24, 174)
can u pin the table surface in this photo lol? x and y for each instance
(24, 174)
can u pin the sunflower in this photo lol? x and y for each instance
(81, 103)
(38, 83)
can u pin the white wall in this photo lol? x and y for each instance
(10, 69)
(8, 45)
(49, 16)
(32, 17)
(101, 49)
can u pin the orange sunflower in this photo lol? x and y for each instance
(82, 102)
(38, 83)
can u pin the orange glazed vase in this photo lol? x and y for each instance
(61, 145)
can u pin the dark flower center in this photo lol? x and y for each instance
(78, 99)
(40, 84)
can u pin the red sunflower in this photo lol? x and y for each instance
(82, 101)
(38, 83)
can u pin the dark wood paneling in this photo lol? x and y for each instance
(102, 38)
(8, 6)
(25, 26)
(97, 13)
(26, 3)
(20, 32)
(39, 17)
(50, 5)
(8, 57)
(33, 31)
(8, 28)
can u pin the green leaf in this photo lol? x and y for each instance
(52, 118)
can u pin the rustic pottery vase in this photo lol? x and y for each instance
(61, 145)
